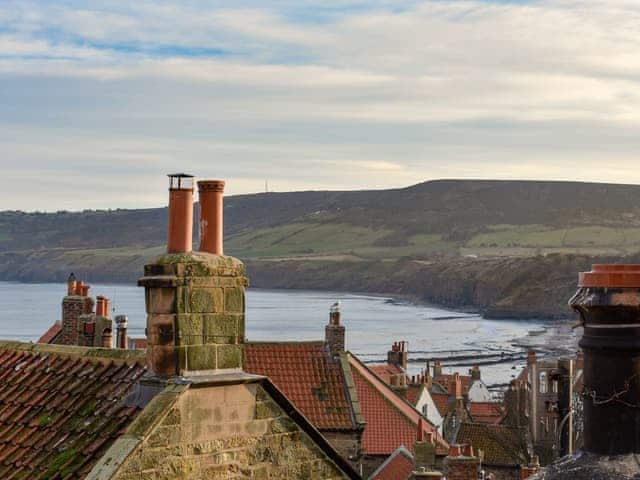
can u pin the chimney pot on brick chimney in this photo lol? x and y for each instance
(211, 216)
(121, 331)
(180, 239)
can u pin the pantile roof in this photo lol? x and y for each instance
(442, 402)
(60, 408)
(399, 466)
(390, 420)
(307, 375)
(412, 393)
(502, 445)
(50, 335)
(444, 380)
(386, 370)
(485, 412)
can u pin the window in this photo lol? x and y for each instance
(543, 382)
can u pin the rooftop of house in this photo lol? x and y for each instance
(399, 466)
(486, 412)
(442, 402)
(390, 420)
(52, 333)
(501, 445)
(386, 370)
(307, 375)
(62, 407)
(444, 380)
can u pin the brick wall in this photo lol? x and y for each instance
(227, 432)
(72, 307)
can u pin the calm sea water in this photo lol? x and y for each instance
(372, 322)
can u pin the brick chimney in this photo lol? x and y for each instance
(455, 386)
(437, 368)
(75, 304)
(195, 304)
(89, 333)
(461, 463)
(121, 331)
(180, 235)
(475, 373)
(211, 216)
(334, 332)
(608, 302)
(398, 355)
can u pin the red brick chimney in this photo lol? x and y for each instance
(334, 332)
(461, 464)
(398, 355)
(89, 333)
(180, 239)
(73, 306)
(211, 216)
(455, 386)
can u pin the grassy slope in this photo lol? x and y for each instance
(428, 228)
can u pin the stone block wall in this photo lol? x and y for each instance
(195, 313)
(227, 432)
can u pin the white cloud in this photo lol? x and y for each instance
(305, 92)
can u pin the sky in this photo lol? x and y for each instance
(100, 100)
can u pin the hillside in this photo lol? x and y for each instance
(433, 240)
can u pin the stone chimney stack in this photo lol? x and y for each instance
(398, 355)
(461, 464)
(424, 448)
(437, 368)
(121, 331)
(334, 332)
(475, 373)
(211, 216)
(195, 305)
(180, 235)
(107, 338)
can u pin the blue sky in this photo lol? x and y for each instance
(98, 100)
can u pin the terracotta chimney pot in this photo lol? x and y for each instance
(180, 239)
(211, 216)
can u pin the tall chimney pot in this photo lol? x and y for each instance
(211, 216)
(121, 331)
(180, 239)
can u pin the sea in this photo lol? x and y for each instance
(373, 322)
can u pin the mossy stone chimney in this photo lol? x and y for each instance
(195, 304)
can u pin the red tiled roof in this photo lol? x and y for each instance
(399, 466)
(308, 377)
(442, 402)
(50, 335)
(446, 378)
(500, 444)
(386, 370)
(390, 421)
(59, 413)
(412, 393)
(485, 412)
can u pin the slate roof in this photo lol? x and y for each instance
(485, 412)
(390, 420)
(50, 335)
(306, 374)
(60, 408)
(399, 466)
(502, 445)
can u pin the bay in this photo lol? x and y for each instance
(373, 323)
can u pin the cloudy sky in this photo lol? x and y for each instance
(100, 99)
